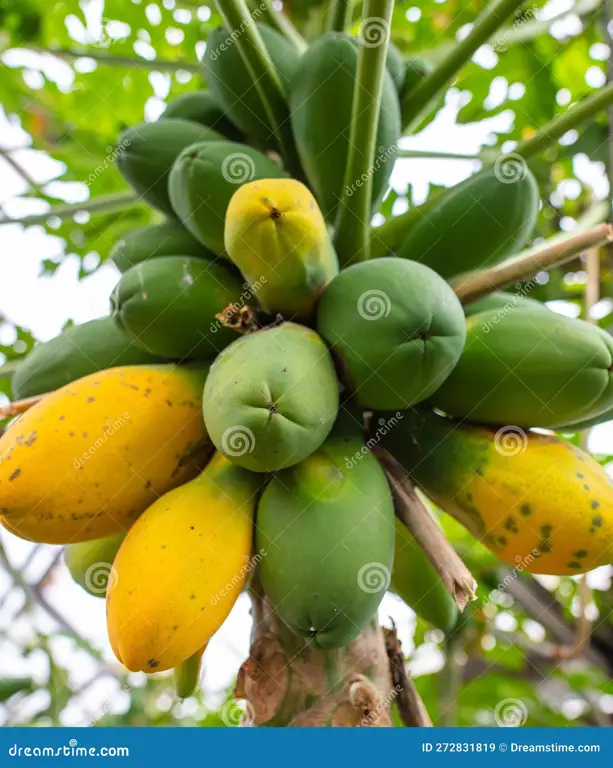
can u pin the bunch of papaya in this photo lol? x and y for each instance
(203, 108)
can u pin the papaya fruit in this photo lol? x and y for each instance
(85, 461)
(271, 398)
(90, 563)
(203, 180)
(231, 82)
(166, 239)
(181, 568)
(77, 352)
(476, 224)
(535, 501)
(168, 305)
(395, 65)
(395, 328)
(530, 368)
(148, 151)
(324, 85)
(579, 426)
(502, 302)
(326, 527)
(277, 237)
(416, 581)
(187, 675)
(202, 107)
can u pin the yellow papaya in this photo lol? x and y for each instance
(86, 460)
(537, 502)
(277, 237)
(181, 568)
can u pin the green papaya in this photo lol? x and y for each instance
(231, 83)
(202, 107)
(416, 581)
(476, 224)
(91, 562)
(594, 421)
(203, 180)
(323, 86)
(395, 65)
(327, 528)
(147, 151)
(271, 398)
(503, 302)
(415, 71)
(166, 239)
(169, 305)
(529, 368)
(395, 328)
(77, 352)
(187, 674)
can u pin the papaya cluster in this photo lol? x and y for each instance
(209, 434)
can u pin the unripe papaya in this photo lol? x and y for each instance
(271, 398)
(203, 180)
(277, 237)
(85, 461)
(395, 328)
(530, 368)
(91, 562)
(537, 502)
(77, 352)
(187, 675)
(166, 239)
(327, 529)
(395, 65)
(231, 82)
(169, 305)
(148, 152)
(323, 86)
(501, 302)
(476, 224)
(202, 107)
(578, 426)
(417, 582)
(181, 568)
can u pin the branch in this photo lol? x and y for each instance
(410, 705)
(282, 24)
(19, 406)
(410, 509)
(6, 155)
(132, 62)
(101, 204)
(471, 287)
(340, 14)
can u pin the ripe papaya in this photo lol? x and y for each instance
(148, 151)
(202, 107)
(77, 352)
(91, 562)
(395, 328)
(169, 305)
(187, 675)
(166, 239)
(324, 85)
(85, 461)
(203, 180)
(181, 568)
(476, 224)
(271, 398)
(326, 527)
(231, 82)
(537, 502)
(277, 237)
(530, 368)
(502, 302)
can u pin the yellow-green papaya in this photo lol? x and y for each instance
(277, 237)
(202, 107)
(166, 239)
(91, 562)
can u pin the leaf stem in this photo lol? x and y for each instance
(340, 14)
(101, 204)
(281, 22)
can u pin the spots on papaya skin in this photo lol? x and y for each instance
(526, 510)
(545, 545)
(71, 434)
(90, 400)
(153, 663)
(480, 471)
(595, 504)
(580, 476)
(192, 597)
(597, 521)
(503, 541)
(574, 564)
(586, 487)
(15, 474)
(511, 525)
(169, 403)
(148, 484)
(580, 554)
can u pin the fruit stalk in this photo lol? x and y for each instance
(339, 15)
(280, 21)
(19, 406)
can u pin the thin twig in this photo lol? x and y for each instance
(101, 204)
(6, 155)
(131, 62)
(410, 705)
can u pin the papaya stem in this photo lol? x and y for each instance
(410, 705)
(101, 204)
(19, 406)
(340, 14)
(492, 18)
(353, 224)
(130, 62)
(281, 22)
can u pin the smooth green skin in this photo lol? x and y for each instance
(166, 239)
(328, 532)
(321, 102)
(271, 398)
(149, 151)
(395, 65)
(202, 107)
(476, 224)
(396, 330)
(187, 675)
(203, 180)
(168, 305)
(231, 83)
(89, 562)
(502, 302)
(415, 580)
(529, 369)
(77, 352)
